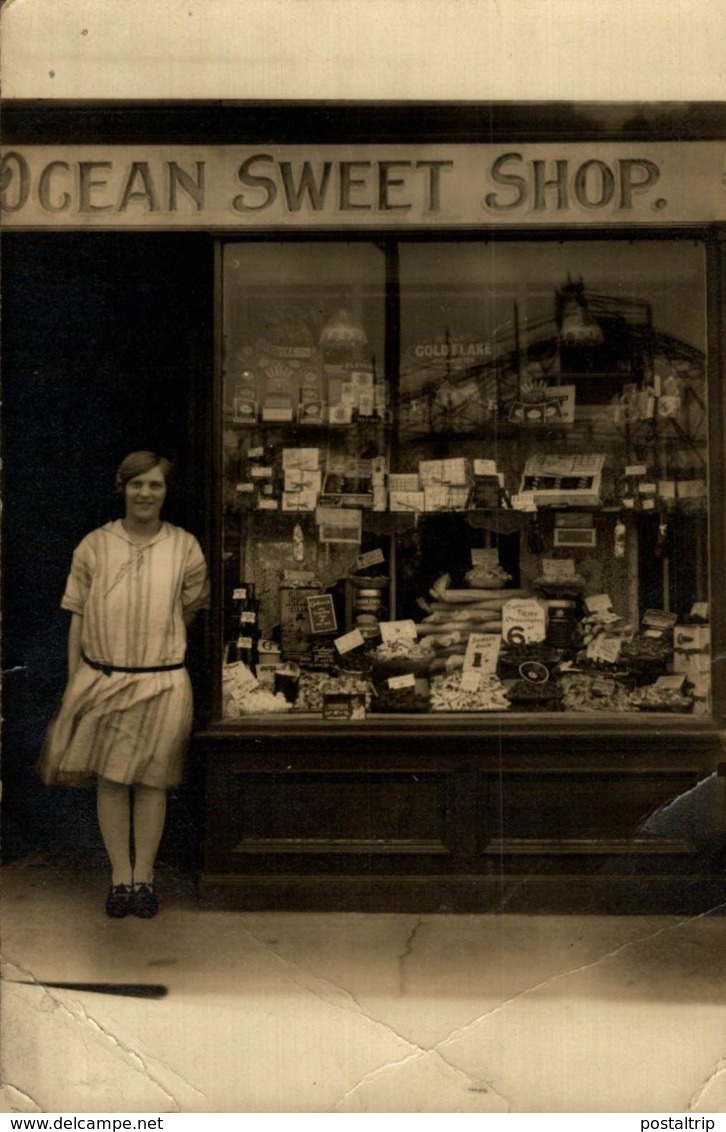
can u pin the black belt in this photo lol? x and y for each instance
(107, 669)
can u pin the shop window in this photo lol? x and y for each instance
(464, 476)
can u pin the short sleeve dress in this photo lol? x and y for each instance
(121, 726)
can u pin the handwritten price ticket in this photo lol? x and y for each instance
(398, 631)
(482, 653)
(606, 649)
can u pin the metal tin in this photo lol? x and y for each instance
(562, 626)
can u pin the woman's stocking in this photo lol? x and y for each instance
(114, 819)
(149, 815)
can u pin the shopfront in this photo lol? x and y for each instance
(453, 414)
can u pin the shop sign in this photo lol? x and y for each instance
(368, 186)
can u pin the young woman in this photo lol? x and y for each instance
(126, 716)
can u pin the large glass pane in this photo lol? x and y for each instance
(552, 403)
(305, 419)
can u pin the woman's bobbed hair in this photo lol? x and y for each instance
(137, 464)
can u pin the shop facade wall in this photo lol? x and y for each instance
(457, 820)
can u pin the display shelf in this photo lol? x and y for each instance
(662, 728)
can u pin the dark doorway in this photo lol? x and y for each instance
(107, 347)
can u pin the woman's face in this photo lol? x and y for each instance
(144, 496)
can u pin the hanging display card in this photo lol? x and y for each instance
(322, 614)
(482, 653)
(372, 558)
(398, 631)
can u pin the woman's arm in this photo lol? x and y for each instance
(74, 643)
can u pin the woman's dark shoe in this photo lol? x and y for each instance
(145, 902)
(118, 901)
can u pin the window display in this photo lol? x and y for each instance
(464, 477)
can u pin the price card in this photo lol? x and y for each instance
(239, 593)
(398, 630)
(248, 617)
(349, 641)
(659, 619)
(482, 653)
(322, 614)
(471, 680)
(524, 501)
(372, 558)
(524, 621)
(671, 683)
(606, 649)
(244, 487)
(598, 603)
(485, 468)
(407, 680)
(558, 569)
(255, 453)
(238, 678)
(636, 470)
(483, 556)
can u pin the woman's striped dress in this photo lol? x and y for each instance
(128, 727)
